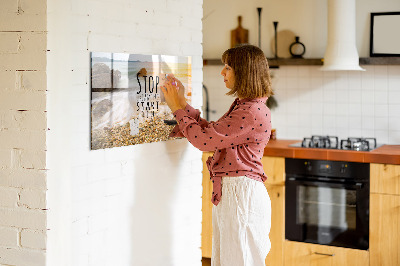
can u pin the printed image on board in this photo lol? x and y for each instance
(127, 104)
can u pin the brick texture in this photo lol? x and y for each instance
(33, 239)
(44, 117)
(23, 126)
(9, 237)
(8, 197)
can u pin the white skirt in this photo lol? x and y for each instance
(241, 223)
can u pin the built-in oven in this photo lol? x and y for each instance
(327, 202)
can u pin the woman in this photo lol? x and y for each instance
(242, 208)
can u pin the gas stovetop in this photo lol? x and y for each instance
(332, 142)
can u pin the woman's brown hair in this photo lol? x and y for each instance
(250, 66)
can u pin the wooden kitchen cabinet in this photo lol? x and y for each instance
(274, 168)
(206, 225)
(384, 236)
(277, 233)
(385, 215)
(305, 254)
(385, 178)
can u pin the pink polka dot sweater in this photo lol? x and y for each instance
(238, 139)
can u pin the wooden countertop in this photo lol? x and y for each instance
(389, 154)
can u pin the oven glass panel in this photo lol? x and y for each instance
(326, 207)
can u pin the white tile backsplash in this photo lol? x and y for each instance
(394, 82)
(367, 96)
(382, 136)
(304, 72)
(394, 123)
(394, 97)
(342, 123)
(342, 96)
(381, 110)
(291, 71)
(368, 123)
(380, 71)
(381, 84)
(367, 109)
(329, 109)
(304, 82)
(343, 103)
(342, 109)
(394, 110)
(292, 82)
(381, 97)
(394, 137)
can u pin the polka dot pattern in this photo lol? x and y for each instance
(238, 139)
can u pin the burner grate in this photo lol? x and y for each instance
(332, 142)
(327, 142)
(358, 144)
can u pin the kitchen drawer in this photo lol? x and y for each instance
(305, 254)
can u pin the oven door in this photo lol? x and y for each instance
(327, 213)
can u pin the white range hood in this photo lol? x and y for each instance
(341, 51)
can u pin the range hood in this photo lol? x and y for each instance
(341, 51)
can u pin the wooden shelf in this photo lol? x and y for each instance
(380, 61)
(294, 62)
(273, 63)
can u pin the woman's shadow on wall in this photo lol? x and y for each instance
(155, 202)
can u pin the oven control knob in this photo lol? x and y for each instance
(343, 168)
(308, 166)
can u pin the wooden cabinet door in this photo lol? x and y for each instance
(304, 254)
(206, 226)
(274, 168)
(277, 233)
(384, 237)
(385, 178)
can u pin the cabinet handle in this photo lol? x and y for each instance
(324, 254)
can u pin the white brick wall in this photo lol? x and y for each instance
(136, 205)
(22, 132)
(9, 237)
(8, 197)
(107, 207)
(33, 239)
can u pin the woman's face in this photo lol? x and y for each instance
(229, 76)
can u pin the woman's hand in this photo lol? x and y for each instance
(173, 94)
(180, 87)
(181, 92)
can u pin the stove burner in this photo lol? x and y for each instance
(328, 142)
(358, 144)
(332, 142)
